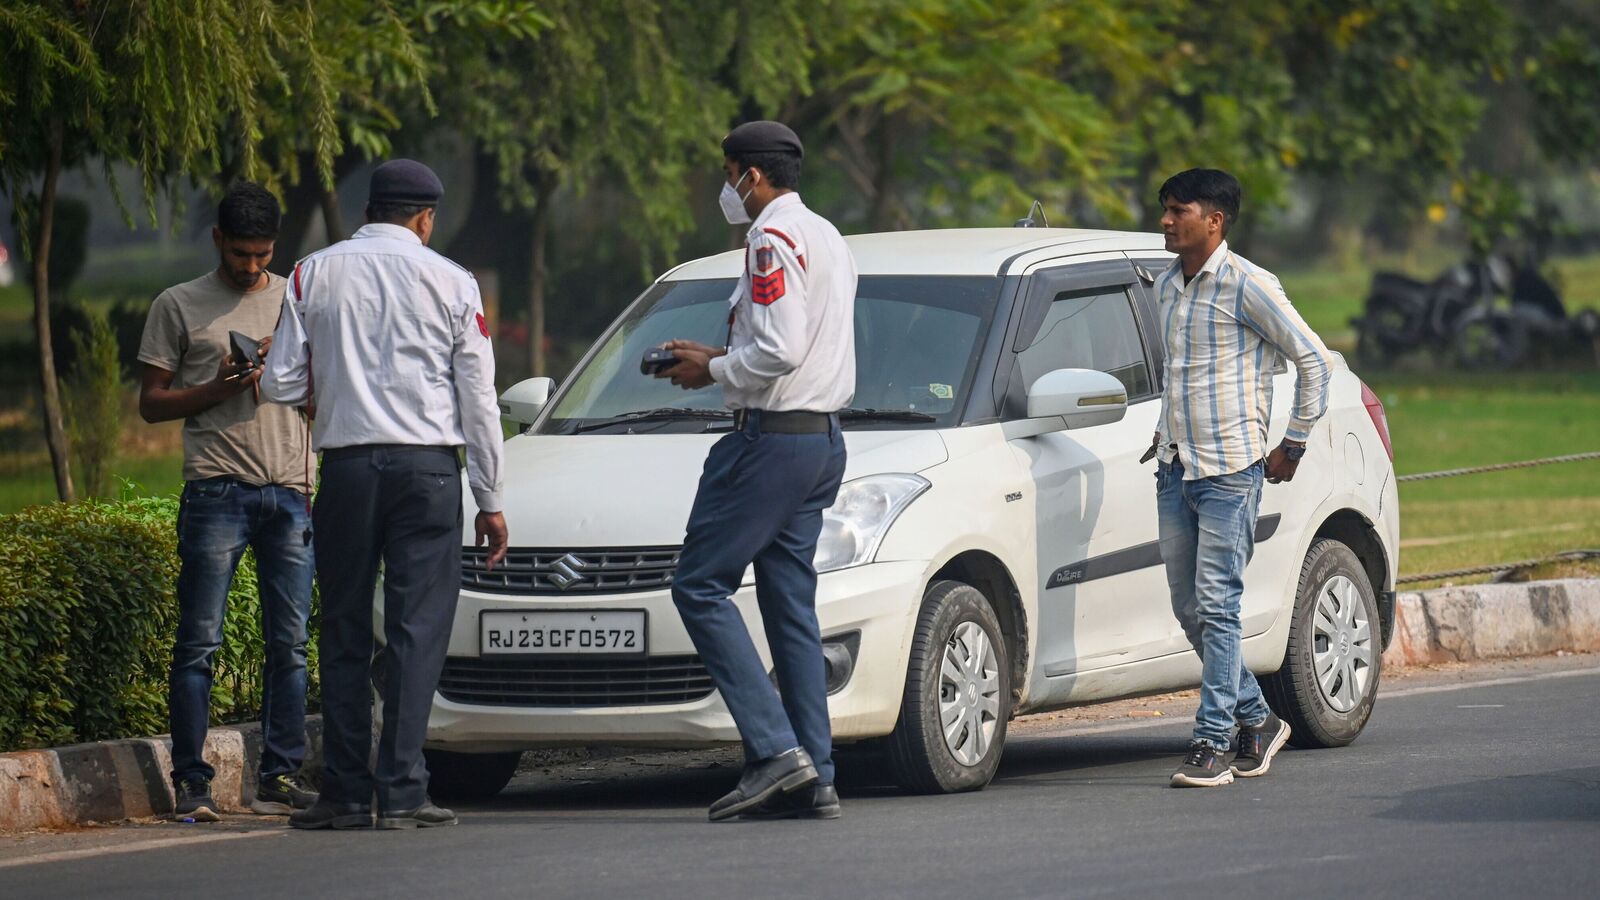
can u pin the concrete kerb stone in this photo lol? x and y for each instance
(1494, 621)
(109, 781)
(114, 780)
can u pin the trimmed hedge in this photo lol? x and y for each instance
(88, 615)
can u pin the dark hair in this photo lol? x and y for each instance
(781, 169)
(1214, 189)
(386, 213)
(248, 211)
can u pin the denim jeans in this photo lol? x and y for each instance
(217, 519)
(760, 501)
(1207, 537)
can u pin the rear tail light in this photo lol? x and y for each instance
(1380, 420)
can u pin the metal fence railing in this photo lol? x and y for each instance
(1508, 566)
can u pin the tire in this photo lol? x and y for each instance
(1489, 339)
(464, 777)
(921, 759)
(1329, 712)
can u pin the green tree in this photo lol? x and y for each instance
(619, 94)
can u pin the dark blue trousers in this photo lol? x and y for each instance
(401, 506)
(760, 501)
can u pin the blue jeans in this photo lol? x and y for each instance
(1207, 537)
(760, 501)
(217, 519)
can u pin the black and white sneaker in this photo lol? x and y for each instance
(1205, 766)
(1258, 745)
(192, 801)
(280, 795)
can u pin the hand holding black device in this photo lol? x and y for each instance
(656, 360)
(246, 351)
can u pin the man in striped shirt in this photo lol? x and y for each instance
(1229, 327)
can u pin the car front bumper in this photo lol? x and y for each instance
(878, 601)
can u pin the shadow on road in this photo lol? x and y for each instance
(692, 779)
(1569, 795)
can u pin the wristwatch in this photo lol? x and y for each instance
(1292, 452)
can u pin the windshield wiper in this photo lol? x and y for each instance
(854, 414)
(644, 415)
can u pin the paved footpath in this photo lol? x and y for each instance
(1470, 781)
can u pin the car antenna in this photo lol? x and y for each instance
(1028, 222)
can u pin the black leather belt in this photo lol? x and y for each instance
(796, 421)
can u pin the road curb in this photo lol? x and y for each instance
(1494, 621)
(110, 781)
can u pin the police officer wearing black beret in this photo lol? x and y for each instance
(387, 340)
(788, 369)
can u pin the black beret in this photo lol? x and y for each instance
(762, 137)
(405, 181)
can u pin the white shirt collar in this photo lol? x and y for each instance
(384, 229)
(783, 201)
(1214, 261)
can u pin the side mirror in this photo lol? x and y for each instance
(523, 401)
(1071, 398)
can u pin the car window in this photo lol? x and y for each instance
(1090, 330)
(917, 343)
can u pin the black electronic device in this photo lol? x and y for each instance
(246, 352)
(656, 361)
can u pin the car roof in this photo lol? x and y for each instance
(949, 251)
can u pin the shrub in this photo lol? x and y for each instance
(93, 393)
(87, 619)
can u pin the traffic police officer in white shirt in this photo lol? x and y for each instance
(386, 340)
(788, 369)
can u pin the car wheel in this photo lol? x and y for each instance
(464, 777)
(1329, 678)
(957, 698)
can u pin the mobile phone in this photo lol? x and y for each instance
(246, 351)
(656, 360)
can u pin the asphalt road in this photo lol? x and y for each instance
(1469, 782)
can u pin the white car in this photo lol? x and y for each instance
(993, 550)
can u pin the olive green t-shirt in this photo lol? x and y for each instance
(253, 441)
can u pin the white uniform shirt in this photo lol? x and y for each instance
(792, 343)
(1228, 332)
(388, 339)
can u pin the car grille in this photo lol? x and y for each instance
(531, 572)
(577, 682)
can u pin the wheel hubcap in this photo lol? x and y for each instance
(969, 694)
(1342, 649)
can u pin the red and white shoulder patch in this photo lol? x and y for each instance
(483, 325)
(767, 289)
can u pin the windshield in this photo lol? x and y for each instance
(917, 340)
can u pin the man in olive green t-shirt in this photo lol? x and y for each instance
(247, 479)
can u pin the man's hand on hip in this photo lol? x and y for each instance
(1280, 467)
(491, 526)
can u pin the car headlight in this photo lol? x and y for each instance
(855, 525)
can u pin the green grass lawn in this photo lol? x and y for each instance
(1468, 419)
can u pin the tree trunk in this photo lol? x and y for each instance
(55, 429)
(539, 274)
(330, 214)
(881, 216)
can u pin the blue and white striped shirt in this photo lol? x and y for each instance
(1228, 332)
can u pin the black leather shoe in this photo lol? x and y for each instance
(329, 814)
(819, 801)
(790, 770)
(425, 816)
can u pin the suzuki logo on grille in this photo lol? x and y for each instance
(567, 571)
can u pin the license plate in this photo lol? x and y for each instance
(562, 633)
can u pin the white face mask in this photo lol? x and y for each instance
(733, 204)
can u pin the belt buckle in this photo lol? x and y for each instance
(740, 418)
